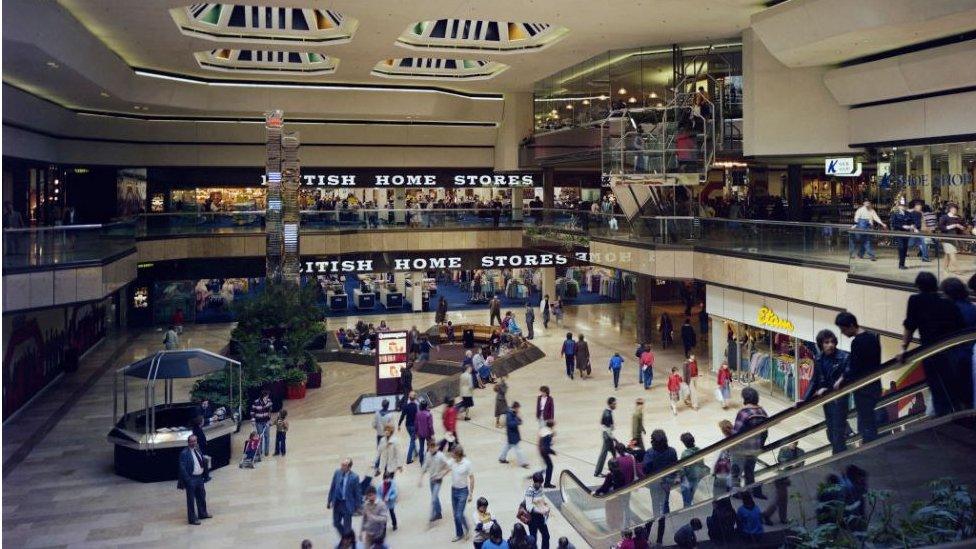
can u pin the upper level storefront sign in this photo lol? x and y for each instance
(843, 166)
(767, 318)
(344, 178)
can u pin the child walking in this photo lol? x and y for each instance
(674, 390)
(389, 493)
(281, 432)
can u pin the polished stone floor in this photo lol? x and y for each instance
(60, 491)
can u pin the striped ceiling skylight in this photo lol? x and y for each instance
(476, 36)
(264, 24)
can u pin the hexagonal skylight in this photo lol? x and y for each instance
(263, 24)
(266, 62)
(475, 36)
(438, 68)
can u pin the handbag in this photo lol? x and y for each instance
(523, 514)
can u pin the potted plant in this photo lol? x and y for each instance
(314, 373)
(294, 379)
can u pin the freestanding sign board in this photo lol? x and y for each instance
(391, 357)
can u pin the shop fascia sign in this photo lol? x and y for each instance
(843, 166)
(766, 317)
(384, 180)
(407, 264)
(923, 180)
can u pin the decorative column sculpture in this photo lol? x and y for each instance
(283, 175)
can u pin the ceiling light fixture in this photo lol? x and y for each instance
(53, 65)
(569, 106)
(330, 87)
(653, 95)
(622, 91)
(104, 94)
(586, 101)
(632, 99)
(660, 104)
(602, 97)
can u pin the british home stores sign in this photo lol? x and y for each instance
(383, 180)
(374, 263)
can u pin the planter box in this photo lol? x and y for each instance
(294, 392)
(314, 380)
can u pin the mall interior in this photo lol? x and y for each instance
(375, 214)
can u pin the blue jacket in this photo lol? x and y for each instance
(391, 496)
(512, 423)
(346, 494)
(569, 347)
(185, 470)
(826, 371)
(616, 362)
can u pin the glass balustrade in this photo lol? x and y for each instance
(65, 245)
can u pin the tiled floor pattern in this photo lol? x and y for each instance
(65, 494)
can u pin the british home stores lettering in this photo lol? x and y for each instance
(415, 180)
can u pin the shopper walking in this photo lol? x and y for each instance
(545, 407)
(462, 489)
(344, 497)
(688, 338)
(637, 423)
(388, 493)
(951, 224)
(674, 391)
(529, 321)
(865, 218)
(546, 435)
(375, 516)
(408, 415)
(495, 310)
(692, 474)
(864, 360)
(449, 418)
(935, 317)
(194, 472)
(425, 428)
(724, 389)
(501, 404)
(382, 419)
(389, 456)
(568, 352)
(658, 458)
(545, 311)
(171, 339)
(466, 386)
(691, 380)
(647, 366)
(745, 454)
(828, 368)
(440, 317)
(535, 504)
(583, 358)
(436, 467)
(666, 327)
(901, 221)
(787, 454)
(261, 415)
(281, 433)
(616, 363)
(606, 430)
(513, 436)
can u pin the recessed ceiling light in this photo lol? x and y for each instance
(660, 104)
(53, 65)
(622, 91)
(602, 97)
(653, 95)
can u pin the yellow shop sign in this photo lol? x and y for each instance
(768, 318)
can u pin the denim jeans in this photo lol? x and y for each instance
(864, 402)
(435, 499)
(858, 241)
(648, 374)
(922, 246)
(280, 443)
(835, 416)
(459, 499)
(412, 432)
(421, 443)
(688, 488)
(265, 433)
(616, 378)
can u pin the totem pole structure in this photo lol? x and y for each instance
(283, 176)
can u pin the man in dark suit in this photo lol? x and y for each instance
(194, 473)
(344, 497)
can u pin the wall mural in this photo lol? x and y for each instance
(36, 344)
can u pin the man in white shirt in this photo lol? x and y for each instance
(462, 488)
(864, 219)
(437, 466)
(193, 473)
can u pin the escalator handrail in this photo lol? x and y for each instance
(911, 358)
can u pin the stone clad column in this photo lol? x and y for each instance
(399, 204)
(643, 303)
(417, 292)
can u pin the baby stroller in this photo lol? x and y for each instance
(252, 448)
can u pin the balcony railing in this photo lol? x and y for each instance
(50, 247)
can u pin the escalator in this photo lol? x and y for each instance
(913, 448)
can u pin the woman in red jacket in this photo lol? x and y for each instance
(674, 390)
(725, 384)
(449, 417)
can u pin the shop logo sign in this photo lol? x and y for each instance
(768, 318)
(842, 167)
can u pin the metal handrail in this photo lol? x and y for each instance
(57, 228)
(911, 358)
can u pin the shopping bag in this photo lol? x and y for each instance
(683, 391)
(718, 394)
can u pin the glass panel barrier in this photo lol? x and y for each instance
(899, 256)
(66, 244)
(751, 457)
